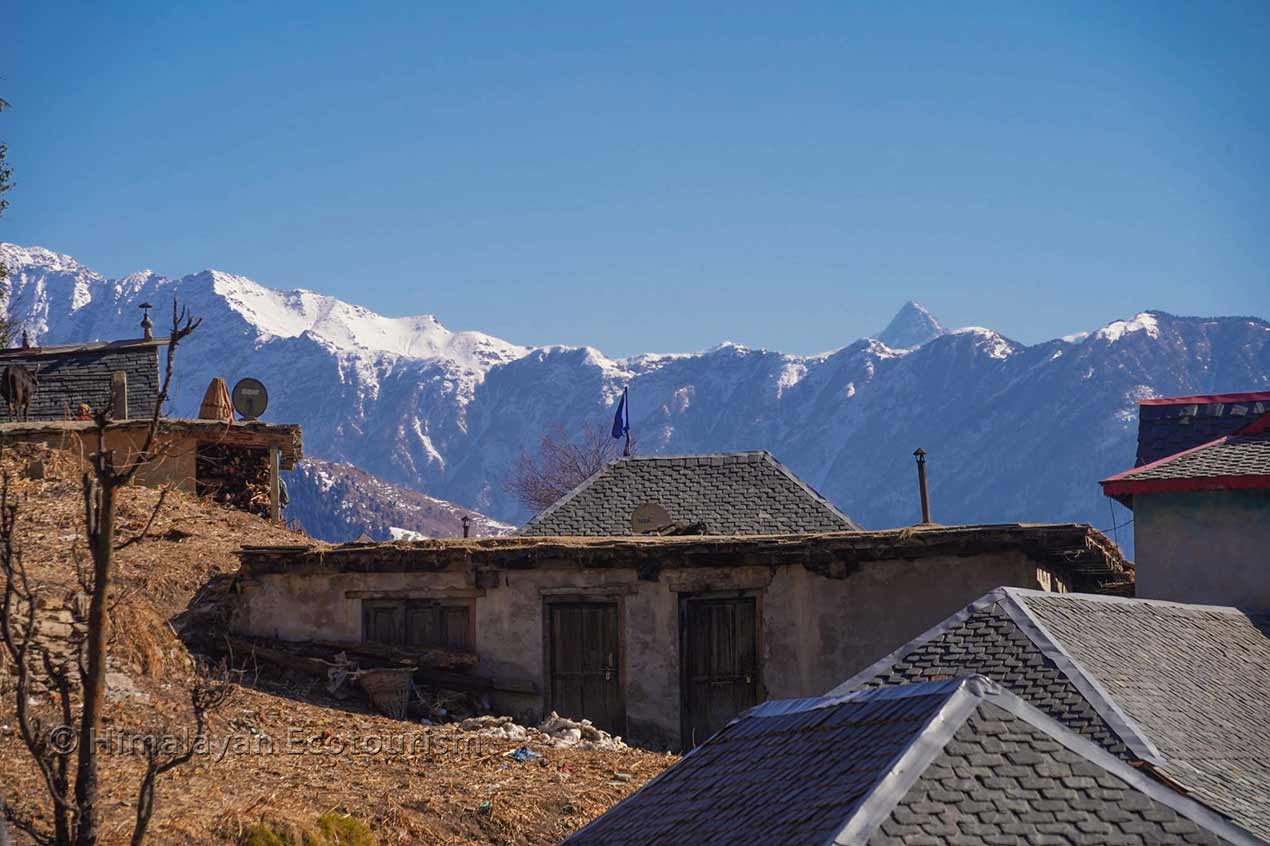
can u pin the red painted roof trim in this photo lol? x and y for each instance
(1253, 396)
(1129, 487)
(1260, 426)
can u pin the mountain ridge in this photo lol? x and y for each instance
(1013, 431)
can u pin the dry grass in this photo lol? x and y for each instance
(274, 748)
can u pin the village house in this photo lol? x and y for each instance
(233, 461)
(1082, 719)
(1200, 497)
(662, 639)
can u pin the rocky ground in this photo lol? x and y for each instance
(280, 751)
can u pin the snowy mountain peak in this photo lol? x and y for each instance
(1117, 329)
(911, 327)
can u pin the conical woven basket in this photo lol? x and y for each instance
(216, 404)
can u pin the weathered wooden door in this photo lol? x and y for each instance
(584, 663)
(718, 655)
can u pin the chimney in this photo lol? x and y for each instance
(921, 483)
(146, 323)
(467, 525)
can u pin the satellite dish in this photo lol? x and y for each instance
(250, 398)
(649, 517)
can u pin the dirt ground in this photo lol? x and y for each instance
(280, 750)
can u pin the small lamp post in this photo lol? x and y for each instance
(921, 483)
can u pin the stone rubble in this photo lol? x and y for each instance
(555, 731)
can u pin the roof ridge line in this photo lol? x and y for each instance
(559, 503)
(1129, 600)
(781, 707)
(1209, 399)
(672, 456)
(870, 672)
(815, 494)
(910, 763)
(1085, 682)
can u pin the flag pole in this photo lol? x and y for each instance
(627, 450)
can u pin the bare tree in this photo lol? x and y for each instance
(561, 464)
(72, 667)
(6, 182)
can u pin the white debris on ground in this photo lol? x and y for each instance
(555, 731)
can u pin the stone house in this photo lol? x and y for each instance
(72, 375)
(235, 462)
(661, 639)
(1200, 497)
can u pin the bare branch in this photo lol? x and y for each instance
(561, 464)
(208, 694)
(163, 495)
(183, 323)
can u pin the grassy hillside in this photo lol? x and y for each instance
(280, 752)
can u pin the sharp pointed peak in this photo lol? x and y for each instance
(912, 326)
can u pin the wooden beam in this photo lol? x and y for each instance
(275, 485)
(119, 395)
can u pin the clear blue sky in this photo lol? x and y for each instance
(655, 179)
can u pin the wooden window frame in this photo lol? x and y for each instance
(402, 608)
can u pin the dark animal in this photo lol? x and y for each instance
(17, 386)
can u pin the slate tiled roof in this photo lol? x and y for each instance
(81, 373)
(952, 762)
(991, 644)
(1184, 688)
(1004, 780)
(1195, 680)
(1169, 426)
(742, 493)
(1235, 461)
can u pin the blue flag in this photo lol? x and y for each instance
(622, 419)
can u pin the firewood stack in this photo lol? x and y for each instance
(235, 476)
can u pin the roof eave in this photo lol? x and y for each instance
(1128, 488)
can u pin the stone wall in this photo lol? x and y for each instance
(71, 378)
(816, 630)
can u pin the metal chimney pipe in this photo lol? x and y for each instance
(467, 525)
(921, 483)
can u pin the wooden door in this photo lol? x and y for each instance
(718, 656)
(584, 663)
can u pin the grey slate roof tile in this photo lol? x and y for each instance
(1234, 455)
(1194, 679)
(747, 493)
(1183, 687)
(894, 765)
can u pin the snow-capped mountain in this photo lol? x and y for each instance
(911, 327)
(339, 502)
(1013, 432)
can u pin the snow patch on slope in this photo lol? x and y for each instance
(1144, 322)
(995, 345)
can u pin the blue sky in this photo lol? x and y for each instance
(654, 179)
